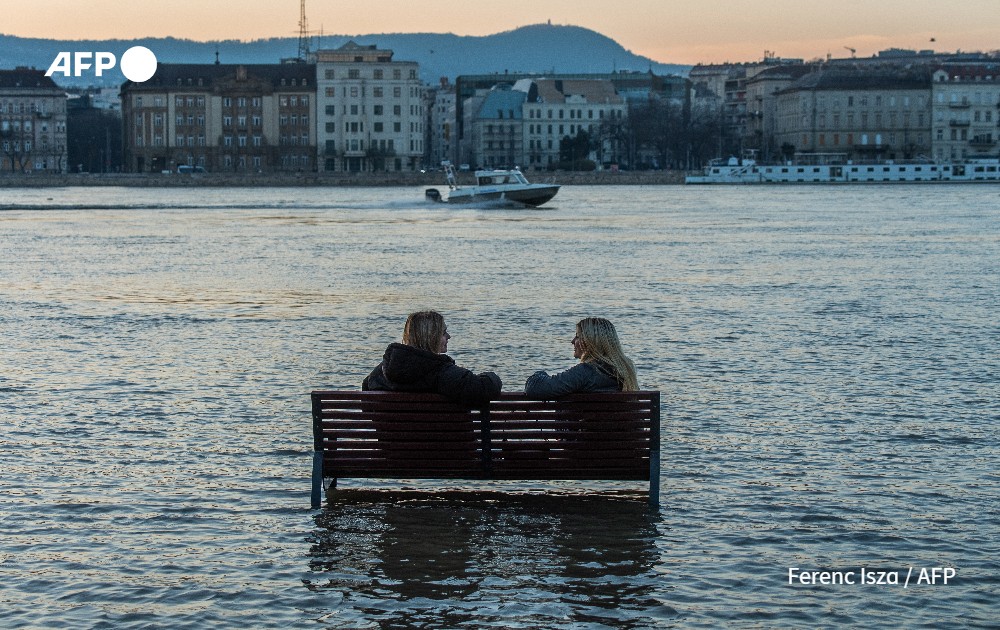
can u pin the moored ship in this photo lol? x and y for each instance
(835, 168)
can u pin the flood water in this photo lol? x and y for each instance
(828, 359)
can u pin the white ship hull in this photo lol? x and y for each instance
(883, 172)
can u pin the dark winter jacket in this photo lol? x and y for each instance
(582, 377)
(409, 369)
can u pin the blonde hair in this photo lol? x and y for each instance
(423, 330)
(601, 344)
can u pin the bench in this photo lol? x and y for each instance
(397, 435)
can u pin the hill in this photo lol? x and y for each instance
(543, 48)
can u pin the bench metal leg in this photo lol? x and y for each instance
(654, 480)
(317, 479)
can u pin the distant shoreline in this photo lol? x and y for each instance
(227, 180)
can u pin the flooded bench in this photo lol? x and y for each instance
(396, 435)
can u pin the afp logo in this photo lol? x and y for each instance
(138, 63)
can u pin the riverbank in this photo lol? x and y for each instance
(45, 180)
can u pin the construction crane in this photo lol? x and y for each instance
(853, 50)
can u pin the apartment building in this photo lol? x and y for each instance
(442, 130)
(221, 117)
(965, 111)
(372, 110)
(525, 123)
(497, 129)
(563, 108)
(743, 91)
(633, 88)
(32, 123)
(760, 94)
(859, 114)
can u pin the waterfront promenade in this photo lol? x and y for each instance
(566, 178)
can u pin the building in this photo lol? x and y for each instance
(858, 113)
(741, 89)
(442, 136)
(32, 123)
(564, 108)
(633, 88)
(524, 124)
(497, 129)
(372, 111)
(221, 117)
(965, 111)
(761, 111)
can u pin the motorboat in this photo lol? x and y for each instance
(503, 187)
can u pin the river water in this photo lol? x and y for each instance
(828, 359)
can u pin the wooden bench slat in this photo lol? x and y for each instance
(398, 435)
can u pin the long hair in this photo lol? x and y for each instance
(423, 330)
(601, 345)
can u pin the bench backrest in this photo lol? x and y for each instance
(425, 436)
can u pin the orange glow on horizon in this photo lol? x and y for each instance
(664, 32)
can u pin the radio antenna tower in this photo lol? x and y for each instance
(303, 33)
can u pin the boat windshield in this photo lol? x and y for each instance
(499, 179)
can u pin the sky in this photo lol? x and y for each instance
(668, 31)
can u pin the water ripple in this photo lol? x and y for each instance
(827, 360)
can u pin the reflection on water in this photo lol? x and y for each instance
(443, 560)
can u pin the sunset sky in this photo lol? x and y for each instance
(664, 30)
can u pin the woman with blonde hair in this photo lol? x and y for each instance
(603, 365)
(419, 364)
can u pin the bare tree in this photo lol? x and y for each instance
(15, 142)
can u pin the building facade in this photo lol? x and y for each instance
(561, 109)
(222, 118)
(442, 129)
(32, 123)
(966, 111)
(630, 88)
(497, 129)
(761, 111)
(372, 111)
(858, 114)
(525, 124)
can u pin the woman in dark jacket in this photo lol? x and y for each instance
(420, 364)
(603, 366)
